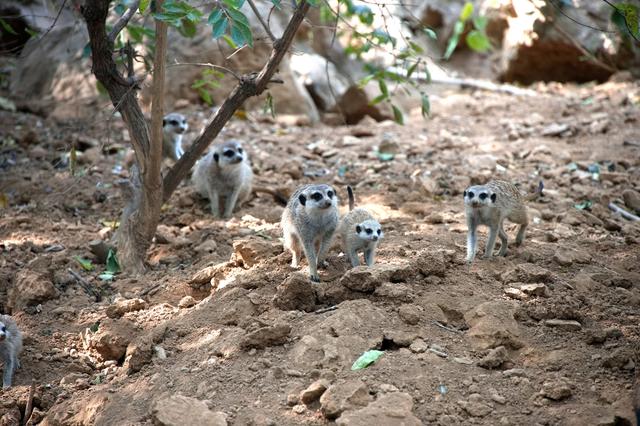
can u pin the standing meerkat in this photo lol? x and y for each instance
(489, 205)
(174, 126)
(10, 347)
(308, 223)
(360, 232)
(224, 175)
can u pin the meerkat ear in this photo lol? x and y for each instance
(216, 157)
(493, 198)
(358, 229)
(302, 199)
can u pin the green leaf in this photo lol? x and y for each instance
(219, 27)
(398, 117)
(234, 4)
(362, 83)
(480, 23)
(585, 205)
(416, 48)
(451, 46)
(144, 5)
(229, 41)
(194, 15)
(94, 327)
(33, 33)
(205, 96)
(276, 3)
(366, 359)
(113, 266)
(268, 105)
(86, 264)
(426, 106)
(237, 36)
(215, 16)
(188, 28)
(246, 33)
(478, 41)
(314, 3)
(238, 17)
(383, 88)
(630, 14)
(378, 99)
(467, 11)
(8, 28)
(429, 32)
(412, 69)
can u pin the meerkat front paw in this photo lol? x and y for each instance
(314, 278)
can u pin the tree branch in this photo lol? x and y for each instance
(264, 24)
(123, 21)
(249, 86)
(157, 106)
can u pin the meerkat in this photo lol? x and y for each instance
(174, 126)
(359, 232)
(489, 205)
(224, 175)
(308, 223)
(10, 347)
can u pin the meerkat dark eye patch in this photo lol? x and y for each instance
(493, 198)
(464, 194)
(316, 196)
(164, 123)
(358, 229)
(369, 231)
(4, 328)
(302, 199)
(173, 122)
(228, 153)
(240, 150)
(470, 194)
(379, 232)
(216, 157)
(482, 196)
(330, 194)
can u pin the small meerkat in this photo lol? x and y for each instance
(490, 205)
(224, 175)
(308, 223)
(10, 347)
(174, 126)
(360, 232)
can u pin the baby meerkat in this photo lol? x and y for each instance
(359, 232)
(489, 205)
(174, 126)
(308, 223)
(10, 347)
(224, 174)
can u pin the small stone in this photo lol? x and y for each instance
(515, 293)
(465, 361)
(299, 409)
(293, 399)
(314, 391)
(122, 306)
(632, 200)
(186, 302)
(535, 289)
(418, 346)
(556, 390)
(361, 278)
(494, 359)
(611, 225)
(476, 406)
(178, 410)
(411, 314)
(555, 129)
(343, 396)
(267, 336)
(566, 325)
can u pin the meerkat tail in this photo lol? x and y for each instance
(351, 197)
(277, 195)
(537, 193)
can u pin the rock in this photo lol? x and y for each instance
(79, 410)
(539, 289)
(112, 338)
(10, 416)
(493, 324)
(431, 262)
(494, 359)
(566, 257)
(361, 278)
(418, 346)
(314, 391)
(139, 354)
(556, 390)
(178, 410)
(555, 129)
(187, 302)
(122, 306)
(267, 336)
(632, 200)
(476, 406)
(527, 273)
(612, 225)
(515, 293)
(411, 314)
(619, 358)
(295, 293)
(344, 395)
(251, 251)
(390, 409)
(566, 325)
(30, 288)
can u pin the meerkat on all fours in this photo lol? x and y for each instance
(308, 223)
(10, 347)
(224, 176)
(490, 205)
(359, 232)
(174, 126)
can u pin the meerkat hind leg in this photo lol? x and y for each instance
(214, 201)
(503, 241)
(472, 240)
(325, 245)
(312, 258)
(293, 243)
(7, 375)
(520, 235)
(491, 241)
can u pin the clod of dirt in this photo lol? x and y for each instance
(267, 336)
(296, 293)
(515, 293)
(251, 251)
(178, 410)
(77, 411)
(418, 346)
(632, 200)
(411, 314)
(566, 325)
(476, 405)
(527, 273)
(388, 410)
(11, 417)
(206, 275)
(556, 390)
(138, 355)
(122, 306)
(495, 358)
(30, 288)
(112, 338)
(186, 302)
(314, 391)
(493, 324)
(538, 289)
(567, 257)
(362, 279)
(621, 358)
(431, 262)
(342, 396)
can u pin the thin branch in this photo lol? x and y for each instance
(584, 51)
(623, 212)
(264, 24)
(123, 21)
(559, 9)
(28, 410)
(209, 65)
(626, 23)
(157, 103)
(53, 24)
(88, 288)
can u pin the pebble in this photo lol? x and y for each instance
(566, 325)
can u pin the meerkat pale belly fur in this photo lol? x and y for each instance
(10, 347)
(359, 232)
(174, 126)
(490, 205)
(224, 175)
(308, 223)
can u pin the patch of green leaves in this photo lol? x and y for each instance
(210, 80)
(476, 39)
(426, 106)
(625, 18)
(86, 264)
(268, 105)
(180, 15)
(398, 117)
(230, 23)
(6, 27)
(113, 266)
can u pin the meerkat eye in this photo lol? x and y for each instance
(174, 122)
(369, 231)
(482, 196)
(379, 232)
(470, 194)
(330, 194)
(228, 153)
(316, 196)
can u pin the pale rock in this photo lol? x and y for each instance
(178, 410)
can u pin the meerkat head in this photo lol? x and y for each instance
(174, 124)
(479, 196)
(4, 333)
(369, 230)
(320, 197)
(229, 153)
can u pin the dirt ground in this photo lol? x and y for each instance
(548, 335)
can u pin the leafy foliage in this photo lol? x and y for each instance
(210, 80)
(625, 18)
(476, 39)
